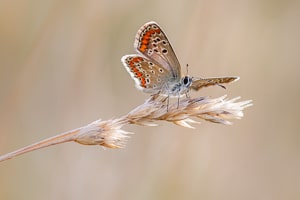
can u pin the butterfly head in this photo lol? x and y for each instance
(186, 81)
(181, 87)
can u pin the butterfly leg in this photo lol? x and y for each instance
(222, 86)
(178, 98)
(168, 103)
(187, 94)
(218, 84)
(155, 94)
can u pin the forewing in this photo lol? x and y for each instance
(148, 76)
(199, 83)
(153, 43)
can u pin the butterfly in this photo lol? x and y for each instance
(156, 68)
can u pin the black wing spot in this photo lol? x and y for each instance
(164, 51)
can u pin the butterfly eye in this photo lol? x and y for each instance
(187, 81)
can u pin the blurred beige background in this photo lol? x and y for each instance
(60, 69)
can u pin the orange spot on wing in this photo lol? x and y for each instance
(143, 48)
(143, 82)
(136, 59)
(144, 41)
(137, 73)
(146, 38)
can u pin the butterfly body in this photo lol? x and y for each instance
(150, 78)
(156, 68)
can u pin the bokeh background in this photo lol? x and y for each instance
(60, 69)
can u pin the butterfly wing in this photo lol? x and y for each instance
(153, 43)
(148, 76)
(198, 83)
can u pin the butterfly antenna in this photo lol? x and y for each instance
(187, 69)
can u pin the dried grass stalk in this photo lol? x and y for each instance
(109, 133)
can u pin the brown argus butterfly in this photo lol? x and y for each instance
(157, 70)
